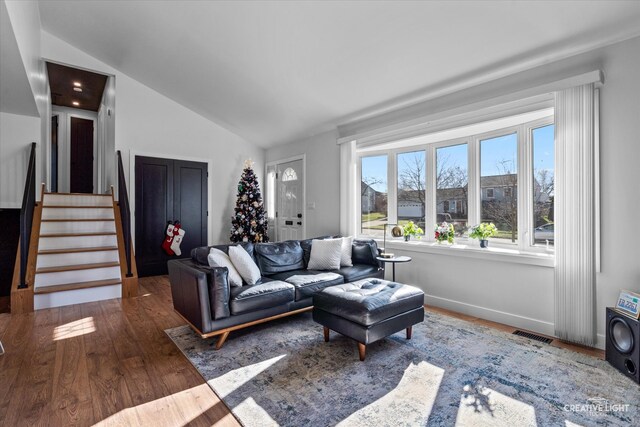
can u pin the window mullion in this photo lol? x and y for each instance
(430, 208)
(392, 188)
(524, 188)
(474, 182)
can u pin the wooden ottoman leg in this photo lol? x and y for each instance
(409, 330)
(362, 349)
(326, 334)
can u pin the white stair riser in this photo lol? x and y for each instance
(77, 200)
(78, 227)
(78, 258)
(77, 296)
(63, 277)
(77, 213)
(76, 242)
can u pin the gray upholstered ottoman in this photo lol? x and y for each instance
(368, 310)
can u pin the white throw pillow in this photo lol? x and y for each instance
(345, 258)
(245, 265)
(325, 254)
(217, 258)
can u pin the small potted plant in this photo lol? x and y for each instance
(445, 232)
(483, 231)
(410, 229)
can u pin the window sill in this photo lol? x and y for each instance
(501, 254)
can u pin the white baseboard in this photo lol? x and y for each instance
(510, 319)
(534, 325)
(601, 341)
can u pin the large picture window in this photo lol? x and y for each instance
(412, 188)
(543, 184)
(373, 195)
(452, 186)
(504, 176)
(499, 184)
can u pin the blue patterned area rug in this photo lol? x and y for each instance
(451, 372)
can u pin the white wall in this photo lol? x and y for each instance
(149, 123)
(323, 180)
(518, 294)
(25, 20)
(17, 132)
(620, 174)
(25, 25)
(107, 137)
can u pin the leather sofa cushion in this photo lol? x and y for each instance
(278, 257)
(306, 291)
(369, 301)
(359, 271)
(364, 251)
(260, 296)
(200, 255)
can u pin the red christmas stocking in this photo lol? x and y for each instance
(166, 245)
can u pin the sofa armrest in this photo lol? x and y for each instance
(200, 294)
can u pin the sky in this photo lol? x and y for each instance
(497, 156)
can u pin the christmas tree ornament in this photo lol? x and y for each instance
(249, 220)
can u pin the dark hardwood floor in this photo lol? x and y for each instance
(106, 362)
(110, 362)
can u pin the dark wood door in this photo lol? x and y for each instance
(54, 154)
(81, 157)
(190, 203)
(168, 190)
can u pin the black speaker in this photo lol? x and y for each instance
(623, 343)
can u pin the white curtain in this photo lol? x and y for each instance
(575, 229)
(348, 194)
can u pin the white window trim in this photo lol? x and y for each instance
(508, 251)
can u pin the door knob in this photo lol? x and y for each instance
(299, 215)
(299, 222)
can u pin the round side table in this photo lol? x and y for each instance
(395, 260)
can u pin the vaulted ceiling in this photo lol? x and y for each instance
(273, 72)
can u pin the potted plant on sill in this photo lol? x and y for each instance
(410, 229)
(482, 232)
(445, 232)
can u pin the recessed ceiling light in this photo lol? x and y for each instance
(77, 89)
(77, 84)
(76, 103)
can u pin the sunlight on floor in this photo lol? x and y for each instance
(481, 406)
(74, 329)
(187, 404)
(415, 394)
(257, 413)
(232, 380)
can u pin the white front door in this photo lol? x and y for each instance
(290, 208)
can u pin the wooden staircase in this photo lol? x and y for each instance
(76, 253)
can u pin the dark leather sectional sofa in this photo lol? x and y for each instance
(202, 295)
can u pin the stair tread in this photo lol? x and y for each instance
(78, 220)
(76, 250)
(77, 285)
(78, 206)
(102, 233)
(62, 268)
(79, 194)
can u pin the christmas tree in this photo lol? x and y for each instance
(249, 223)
